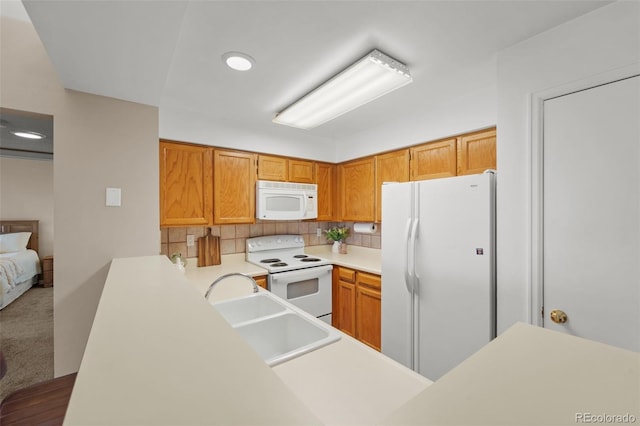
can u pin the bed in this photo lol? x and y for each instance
(19, 266)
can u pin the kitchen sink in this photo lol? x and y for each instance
(249, 308)
(273, 328)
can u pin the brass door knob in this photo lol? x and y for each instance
(558, 316)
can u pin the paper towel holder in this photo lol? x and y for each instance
(365, 228)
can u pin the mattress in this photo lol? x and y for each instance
(30, 263)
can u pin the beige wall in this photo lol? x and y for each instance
(99, 142)
(26, 192)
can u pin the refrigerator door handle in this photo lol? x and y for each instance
(408, 278)
(412, 242)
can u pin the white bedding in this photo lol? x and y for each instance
(29, 265)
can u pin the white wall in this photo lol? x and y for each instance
(603, 40)
(99, 142)
(26, 192)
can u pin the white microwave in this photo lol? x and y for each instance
(286, 200)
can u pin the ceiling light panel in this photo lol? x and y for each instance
(367, 79)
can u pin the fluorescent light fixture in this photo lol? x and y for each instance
(369, 78)
(29, 135)
(238, 61)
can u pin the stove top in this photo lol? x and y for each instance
(280, 253)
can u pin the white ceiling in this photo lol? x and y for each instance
(168, 53)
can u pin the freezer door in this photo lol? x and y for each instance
(455, 265)
(397, 208)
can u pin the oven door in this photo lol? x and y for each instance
(308, 289)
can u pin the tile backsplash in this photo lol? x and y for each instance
(232, 237)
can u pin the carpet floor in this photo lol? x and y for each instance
(26, 339)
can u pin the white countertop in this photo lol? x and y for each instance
(159, 354)
(360, 258)
(531, 376)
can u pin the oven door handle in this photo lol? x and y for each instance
(311, 272)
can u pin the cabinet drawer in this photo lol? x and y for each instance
(369, 280)
(348, 275)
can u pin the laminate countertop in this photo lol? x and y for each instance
(158, 353)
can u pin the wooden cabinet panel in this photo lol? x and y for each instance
(477, 152)
(357, 305)
(390, 167)
(347, 307)
(326, 180)
(185, 184)
(301, 171)
(357, 190)
(234, 187)
(434, 160)
(272, 168)
(347, 275)
(261, 281)
(368, 316)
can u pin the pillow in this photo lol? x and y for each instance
(10, 243)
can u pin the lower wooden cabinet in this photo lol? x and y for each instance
(357, 305)
(261, 281)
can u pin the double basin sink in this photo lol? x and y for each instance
(276, 330)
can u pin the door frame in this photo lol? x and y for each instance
(536, 172)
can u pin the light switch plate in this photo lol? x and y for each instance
(114, 197)
(191, 240)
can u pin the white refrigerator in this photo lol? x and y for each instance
(438, 271)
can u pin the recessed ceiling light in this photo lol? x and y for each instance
(28, 135)
(238, 61)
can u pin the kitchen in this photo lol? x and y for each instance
(123, 233)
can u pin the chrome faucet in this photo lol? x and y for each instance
(217, 280)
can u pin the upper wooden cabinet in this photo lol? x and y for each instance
(285, 169)
(477, 152)
(325, 178)
(272, 168)
(185, 185)
(301, 171)
(234, 183)
(390, 167)
(357, 195)
(433, 160)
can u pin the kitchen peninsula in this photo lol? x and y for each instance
(158, 353)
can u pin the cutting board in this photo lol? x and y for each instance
(208, 250)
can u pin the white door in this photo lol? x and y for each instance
(591, 219)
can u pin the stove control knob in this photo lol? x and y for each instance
(278, 241)
(250, 245)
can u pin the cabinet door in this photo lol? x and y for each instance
(185, 185)
(477, 152)
(434, 160)
(300, 171)
(325, 179)
(347, 307)
(390, 167)
(368, 316)
(272, 168)
(234, 187)
(357, 189)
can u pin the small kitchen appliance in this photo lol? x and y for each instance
(286, 200)
(300, 279)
